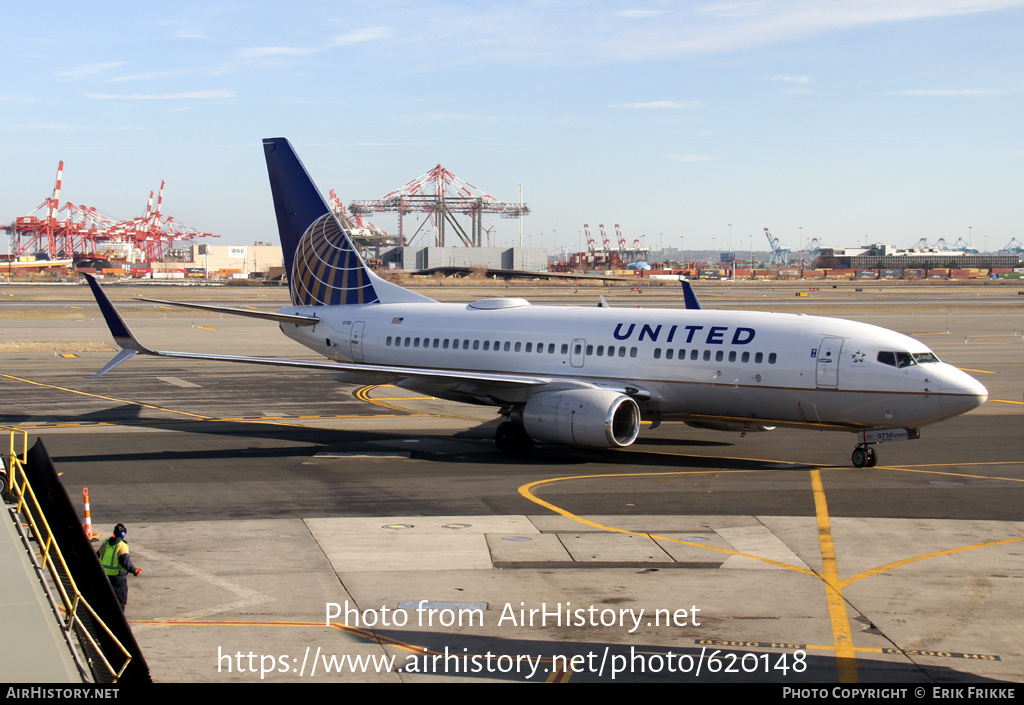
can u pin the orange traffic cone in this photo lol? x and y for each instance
(88, 519)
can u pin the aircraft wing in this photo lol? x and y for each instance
(130, 346)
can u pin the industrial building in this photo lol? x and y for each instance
(258, 259)
(261, 259)
(883, 256)
(532, 259)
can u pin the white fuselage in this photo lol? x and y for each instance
(691, 364)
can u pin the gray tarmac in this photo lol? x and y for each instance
(295, 529)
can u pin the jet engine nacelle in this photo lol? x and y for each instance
(593, 418)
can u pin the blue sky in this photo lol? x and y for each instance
(847, 120)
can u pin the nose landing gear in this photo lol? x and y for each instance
(864, 456)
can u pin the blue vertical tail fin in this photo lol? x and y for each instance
(689, 297)
(324, 268)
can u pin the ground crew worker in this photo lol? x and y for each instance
(117, 563)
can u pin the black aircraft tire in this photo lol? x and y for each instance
(860, 457)
(506, 437)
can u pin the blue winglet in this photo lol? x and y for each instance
(689, 297)
(118, 328)
(115, 323)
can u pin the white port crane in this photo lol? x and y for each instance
(780, 255)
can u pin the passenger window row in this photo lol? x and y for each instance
(591, 350)
(466, 344)
(610, 351)
(757, 358)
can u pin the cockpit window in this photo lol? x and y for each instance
(905, 359)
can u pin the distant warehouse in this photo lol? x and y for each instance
(882, 256)
(254, 260)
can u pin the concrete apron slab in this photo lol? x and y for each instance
(294, 600)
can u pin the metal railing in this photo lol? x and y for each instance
(72, 604)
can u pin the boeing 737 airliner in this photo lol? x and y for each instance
(585, 376)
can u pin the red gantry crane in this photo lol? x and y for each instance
(441, 195)
(56, 230)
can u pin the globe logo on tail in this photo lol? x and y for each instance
(326, 270)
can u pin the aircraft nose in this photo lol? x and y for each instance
(964, 392)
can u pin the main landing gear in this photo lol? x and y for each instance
(511, 437)
(864, 456)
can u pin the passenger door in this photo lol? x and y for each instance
(827, 372)
(356, 340)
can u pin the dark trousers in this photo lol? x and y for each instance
(120, 585)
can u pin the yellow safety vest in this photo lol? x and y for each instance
(110, 557)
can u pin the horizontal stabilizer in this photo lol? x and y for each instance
(251, 313)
